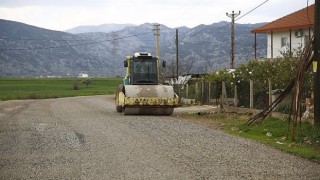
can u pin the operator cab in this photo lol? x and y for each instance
(142, 69)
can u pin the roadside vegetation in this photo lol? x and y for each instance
(42, 88)
(272, 131)
(302, 139)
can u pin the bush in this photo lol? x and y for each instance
(87, 81)
(76, 85)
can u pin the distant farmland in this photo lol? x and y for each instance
(42, 88)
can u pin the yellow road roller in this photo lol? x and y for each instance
(141, 92)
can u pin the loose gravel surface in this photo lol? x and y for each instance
(85, 138)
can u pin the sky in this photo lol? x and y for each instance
(65, 14)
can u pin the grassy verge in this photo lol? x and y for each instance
(273, 132)
(41, 88)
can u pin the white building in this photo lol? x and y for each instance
(289, 33)
(83, 75)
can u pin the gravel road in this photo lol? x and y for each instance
(85, 138)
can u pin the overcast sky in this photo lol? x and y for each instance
(66, 14)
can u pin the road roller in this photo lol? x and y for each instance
(141, 92)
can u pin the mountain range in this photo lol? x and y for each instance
(29, 51)
(106, 28)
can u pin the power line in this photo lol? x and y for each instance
(87, 35)
(38, 39)
(71, 45)
(237, 18)
(185, 10)
(252, 10)
(193, 6)
(97, 42)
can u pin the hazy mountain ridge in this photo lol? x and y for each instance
(31, 51)
(106, 28)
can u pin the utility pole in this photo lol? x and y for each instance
(177, 54)
(115, 49)
(157, 34)
(232, 16)
(317, 59)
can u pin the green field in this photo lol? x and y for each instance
(42, 88)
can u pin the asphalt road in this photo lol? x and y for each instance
(85, 138)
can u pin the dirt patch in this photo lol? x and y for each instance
(202, 120)
(198, 115)
(208, 116)
(195, 109)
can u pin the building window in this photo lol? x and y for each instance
(284, 41)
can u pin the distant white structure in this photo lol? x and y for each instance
(83, 75)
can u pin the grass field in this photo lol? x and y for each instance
(42, 88)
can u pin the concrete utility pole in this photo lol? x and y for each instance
(317, 59)
(232, 16)
(177, 55)
(115, 49)
(157, 34)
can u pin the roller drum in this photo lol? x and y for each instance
(149, 91)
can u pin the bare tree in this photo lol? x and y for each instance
(185, 65)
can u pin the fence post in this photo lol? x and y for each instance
(202, 93)
(251, 94)
(270, 94)
(224, 93)
(187, 91)
(221, 101)
(235, 100)
(209, 92)
(196, 92)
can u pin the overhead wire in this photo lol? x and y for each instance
(193, 6)
(251, 10)
(237, 18)
(227, 24)
(39, 39)
(184, 9)
(52, 47)
(96, 42)
(71, 45)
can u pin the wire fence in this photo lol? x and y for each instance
(238, 94)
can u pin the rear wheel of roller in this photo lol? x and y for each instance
(119, 108)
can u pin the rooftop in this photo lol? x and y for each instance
(301, 19)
